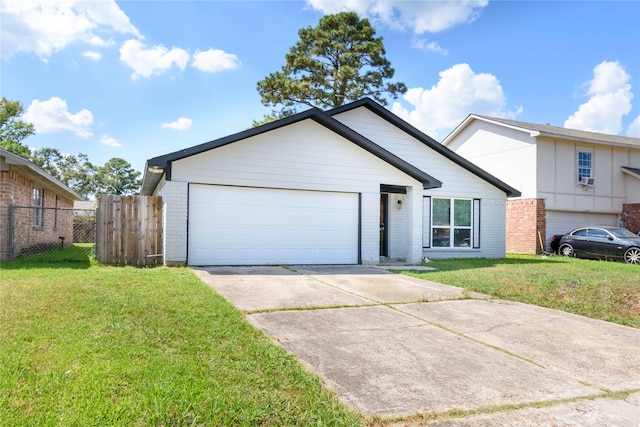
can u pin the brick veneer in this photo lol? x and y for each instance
(17, 190)
(631, 214)
(525, 218)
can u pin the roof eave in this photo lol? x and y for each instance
(62, 188)
(631, 171)
(157, 166)
(428, 141)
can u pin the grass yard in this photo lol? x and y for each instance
(87, 345)
(599, 289)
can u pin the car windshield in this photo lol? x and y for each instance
(622, 233)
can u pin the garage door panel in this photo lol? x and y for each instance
(236, 225)
(563, 222)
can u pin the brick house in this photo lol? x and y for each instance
(568, 178)
(39, 204)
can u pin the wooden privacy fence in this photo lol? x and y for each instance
(129, 230)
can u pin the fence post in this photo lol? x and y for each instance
(10, 233)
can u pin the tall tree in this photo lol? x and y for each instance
(77, 172)
(339, 61)
(117, 177)
(12, 129)
(80, 174)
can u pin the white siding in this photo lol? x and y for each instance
(457, 182)
(558, 177)
(507, 154)
(370, 228)
(633, 188)
(398, 226)
(306, 156)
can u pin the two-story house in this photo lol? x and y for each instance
(568, 178)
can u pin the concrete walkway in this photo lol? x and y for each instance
(405, 350)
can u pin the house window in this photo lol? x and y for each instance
(37, 207)
(584, 165)
(451, 223)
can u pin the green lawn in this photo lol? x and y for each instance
(599, 289)
(88, 345)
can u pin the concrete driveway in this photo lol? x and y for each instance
(406, 350)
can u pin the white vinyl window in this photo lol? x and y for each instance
(452, 223)
(37, 207)
(585, 165)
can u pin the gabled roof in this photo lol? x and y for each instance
(156, 167)
(535, 130)
(427, 140)
(25, 167)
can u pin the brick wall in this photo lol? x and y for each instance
(525, 218)
(370, 217)
(631, 214)
(17, 190)
(175, 197)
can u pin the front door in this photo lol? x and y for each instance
(384, 219)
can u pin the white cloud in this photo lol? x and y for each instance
(424, 44)
(459, 93)
(419, 16)
(214, 60)
(180, 124)
(156, 60)
(610, 100)
(92, 55)
(634, 128)
(53, 116)
(45, 26)
(110, 141)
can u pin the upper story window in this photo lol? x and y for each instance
(37, 206)
(585, 164)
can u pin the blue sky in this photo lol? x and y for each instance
(138, 79)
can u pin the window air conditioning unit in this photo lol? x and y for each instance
(587, 180)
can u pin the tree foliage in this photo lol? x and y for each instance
(76, 172)
(12, 129)
(339, 61)
(117, 177)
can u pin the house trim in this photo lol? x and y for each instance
(634, 172)
(156, 167)
(537, 130)
(45, 179)
(387, 115)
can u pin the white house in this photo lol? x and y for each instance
(568, 178)
(346, 186)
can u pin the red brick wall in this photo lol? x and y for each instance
(17, 190)
(631, 214)
(525, 218)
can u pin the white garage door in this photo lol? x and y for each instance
(563, 222)
(253, 226)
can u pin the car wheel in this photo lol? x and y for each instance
(632, 256)
(566, 249)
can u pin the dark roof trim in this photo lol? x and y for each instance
(393, 189)
(61, 188)
(427, 140)
(635, 172)
(156, 167)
